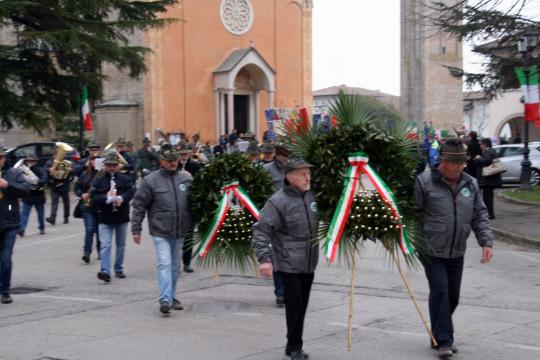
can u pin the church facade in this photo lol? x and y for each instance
(216, 68)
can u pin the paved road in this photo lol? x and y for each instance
(75, 316)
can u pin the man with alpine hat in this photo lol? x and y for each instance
(164, 195)
(450, 205)
(111, 194)
(283, 240)
(268, 153)
(94, 149)
(36, 197)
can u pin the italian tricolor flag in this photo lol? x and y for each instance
(86, 110)
(529, 86)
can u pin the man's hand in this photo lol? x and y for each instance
(265, 269)
(3, 184)
(487, 254)
(118, 201)
(85, 196)
(137, 238)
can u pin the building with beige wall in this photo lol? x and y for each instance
(217, 68)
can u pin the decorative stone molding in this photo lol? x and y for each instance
(237, 16)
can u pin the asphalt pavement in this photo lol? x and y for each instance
(62, 311)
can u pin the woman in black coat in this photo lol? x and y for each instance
(487, 183)
(88, 210)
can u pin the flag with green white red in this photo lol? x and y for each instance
(87, 117)
(528, 80)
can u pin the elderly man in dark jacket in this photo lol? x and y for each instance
(12, 187)
(36, 197)
(450, 205)
(111, 194)
(283, 239)
(164, 196)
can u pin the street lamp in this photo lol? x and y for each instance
(526, 46)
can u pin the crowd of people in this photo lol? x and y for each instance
(120, 185)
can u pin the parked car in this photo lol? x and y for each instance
(511, 155)
(43, 150)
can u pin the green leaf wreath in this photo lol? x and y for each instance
(392, 154)
(232, 248)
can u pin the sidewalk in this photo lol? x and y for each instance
(517, 223)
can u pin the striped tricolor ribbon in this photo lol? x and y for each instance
(358, 164)
(229, 191)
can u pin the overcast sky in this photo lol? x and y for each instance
(357, 43)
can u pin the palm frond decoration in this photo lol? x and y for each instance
(392, 154)
(232, 247)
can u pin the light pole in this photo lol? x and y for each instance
(526, 46)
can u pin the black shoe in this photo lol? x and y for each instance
(102, 275)
(66, 221)
(445, 353)
(50, 220)
(298, 355)
(41, 232)
(164, 308)
(120, 275)
(177, 305)
(306, 355)
(21, 233)
(188, 269)
(280, 301)
(6, 299)
(86, 258)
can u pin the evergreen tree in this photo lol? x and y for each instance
(493, 27)
(60, 45)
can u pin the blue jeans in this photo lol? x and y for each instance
(168, 252)
(25, 214)
(7, 242)
(105, 235)
(90, 228)
(444, 277)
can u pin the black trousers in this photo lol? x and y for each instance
(55, 195)
(297, 288)
(444, 277)
(487, 196)
(187, 253)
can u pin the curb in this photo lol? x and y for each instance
(501, 195)
(515, 239)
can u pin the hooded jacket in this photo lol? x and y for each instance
(9, 204)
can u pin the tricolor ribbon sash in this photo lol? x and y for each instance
(229, 191)
(358, 164)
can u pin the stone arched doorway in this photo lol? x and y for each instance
(239, 81)
(511, 129)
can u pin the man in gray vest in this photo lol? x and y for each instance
(450, 205)
(164, 196)
(283, 241)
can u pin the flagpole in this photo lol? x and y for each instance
(81, 122)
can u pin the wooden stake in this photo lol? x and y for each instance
(218, 269)
(413, 297)
(351, 301)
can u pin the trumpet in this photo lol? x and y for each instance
(110, 148)
(28, 174)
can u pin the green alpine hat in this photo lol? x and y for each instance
(111, 159)
(267, 148)
(454, 150)
(253, 149)
(93, 144)
(294, 164)
(168, 152)
(183, 148)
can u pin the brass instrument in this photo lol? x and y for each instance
(31, 178)
(60, 165)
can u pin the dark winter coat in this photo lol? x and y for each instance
(164, 195)
(148, 159)
(473, 150)
(192, 167)
(286, 231)
(9, 204)
(84, 185)
(98, 194)
(486, 159)
(276, 172)
(37, 196)
(447, 216)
